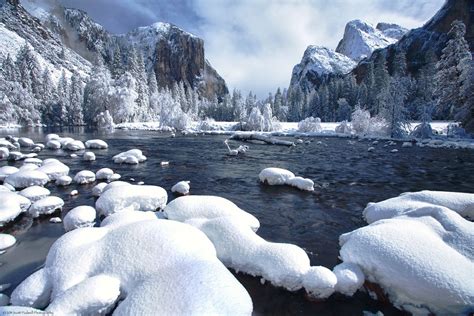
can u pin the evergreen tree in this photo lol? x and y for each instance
(449, 71)
(381, 84)
(76, 93)
(117, 63)
(61, 110)
(96, 94)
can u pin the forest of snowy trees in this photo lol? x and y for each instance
(442, 89)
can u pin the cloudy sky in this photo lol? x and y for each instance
(254, 44)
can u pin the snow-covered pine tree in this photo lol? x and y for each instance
(96, 94)
(76, 96)
(466, 112)
(9, 71)
(449, 70)
(381, 84)
(62, 107)
(278, 105)
(122, 104)
(116, 68)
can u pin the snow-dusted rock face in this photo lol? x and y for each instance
(419, 251)
(131, 197)
(207, 206)
(178, 273)
(316, 63)
(361, 39)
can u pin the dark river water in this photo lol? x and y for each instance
(347, 177)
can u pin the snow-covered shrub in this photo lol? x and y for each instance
(255, 121)
(344, 128)
(455, 131)
(422, 130)
(267, 118)
(360, 120)
(310, 125)
(208, 124)
(104, 120)
(365, 125)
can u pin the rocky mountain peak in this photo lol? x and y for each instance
(361, 39)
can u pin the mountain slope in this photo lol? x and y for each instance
(18, 27)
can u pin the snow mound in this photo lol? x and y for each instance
(98, 189)
(96, 144)
(207, 207)
(182, 187)
(104, 174)
(285, 265)
(54, 168)
(115, 184)
(75, 145)
(88, 156)
(46, 206)
(4, 153)
(51, 137)
(35, 193)
(350, 278)
(84, 177)
(5, 171)
(462, 203)
(63, 181)
(27, 178)
(132, 156)
(131, 197)
(279, 176)
(6, 241)
(423, 260)
(80, 216)
(174, 271)
(11, 206)
(53, 144)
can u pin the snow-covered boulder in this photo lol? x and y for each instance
(35, 161)
(54, 168)
(84, 177)
(310, 125)
(114, 177)
(174, 271)
(4, 153)
(6, 241)
(98, 189)
(26, 142)
(53, 144)
(131, 197)
(5, 171)
(46, 206)
(207, 206)
(422, 130)
(6, 144)
(182, 188)
(96, 144)
(279, 176)
(27, 178)
(104, 174)
(423, 259)
(132, 156)
(51, 137)
(63, 181)
(88, 156)
(15, 156)
(285, 265)
(80, 216)
(10, 206)
(462, 203)
(275, 176)
(115, 184)
(28, 166)
(75, 145)
(301, 183)
(35, 193)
